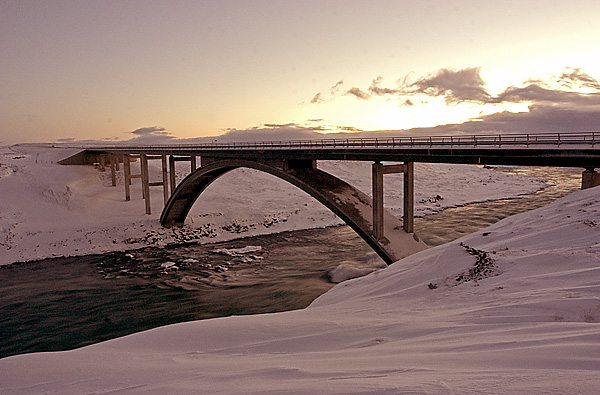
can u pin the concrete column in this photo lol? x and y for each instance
(590, 178)
(141, 175)
(409, 197)
(145, 182)
(113, 175)
(164, 178)
(127, 174)
(172, 173)
(102, 162)
(193, 163)
(377, 183)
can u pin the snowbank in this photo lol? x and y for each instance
(49, 210)
(514, 308)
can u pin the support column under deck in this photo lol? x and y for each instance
(172, 173)
(113, 174)
(408, 214)
(145, 182)
(378, 171)
(102, 162)
(127, 174)
(165, 182)
(377, 184)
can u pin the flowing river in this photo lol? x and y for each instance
(65, 303)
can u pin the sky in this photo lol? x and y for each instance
(182, 69)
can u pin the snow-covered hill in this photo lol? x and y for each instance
(514, 308)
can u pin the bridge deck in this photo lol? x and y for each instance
(561, 150)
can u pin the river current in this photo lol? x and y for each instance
(65, 303)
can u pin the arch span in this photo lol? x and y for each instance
(347, 202)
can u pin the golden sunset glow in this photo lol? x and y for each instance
(100, 70)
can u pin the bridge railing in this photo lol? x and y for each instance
(483, 140)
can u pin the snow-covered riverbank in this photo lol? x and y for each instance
(49, 210)
(514, 308)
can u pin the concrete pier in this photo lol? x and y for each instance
(590, 178)
(378, 171)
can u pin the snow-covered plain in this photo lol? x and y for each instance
(49, 210)
(514, 308)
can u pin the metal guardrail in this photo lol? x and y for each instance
(546, 139)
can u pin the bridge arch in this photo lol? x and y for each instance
(351, 205)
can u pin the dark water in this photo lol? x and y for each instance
(453, 223)
(65, 303)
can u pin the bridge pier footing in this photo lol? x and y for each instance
(590, 178)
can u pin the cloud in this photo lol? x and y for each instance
(538, 94)
(376, 89)
(539, 119)
(151, 135)
(332, 93)
(567, 101)
(317, 99)
(573, 85)
(575, 77)
(151, 131)
(288, 131)
(464, 85)
(359, 94)
(336, 88)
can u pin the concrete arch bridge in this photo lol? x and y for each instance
(295, 162)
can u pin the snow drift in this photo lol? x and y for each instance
(511, 309)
